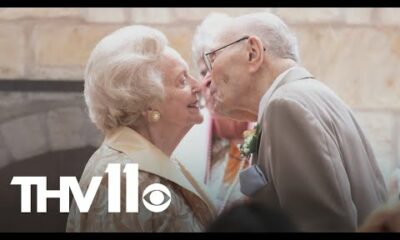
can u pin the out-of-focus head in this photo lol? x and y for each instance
(205, 37)
(132, 71)
(202, 42)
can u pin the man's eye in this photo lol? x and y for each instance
(213, 56)
(183, 81)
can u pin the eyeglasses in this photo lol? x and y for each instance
(209, 57)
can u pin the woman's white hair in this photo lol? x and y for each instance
(206, 33)
(273, 32)
(122, 78)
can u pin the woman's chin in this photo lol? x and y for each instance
(196, 120)
(196, 117)
(201, 119)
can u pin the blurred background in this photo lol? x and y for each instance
(44, 128)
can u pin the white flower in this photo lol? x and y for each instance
(250, 142)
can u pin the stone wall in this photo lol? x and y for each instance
(354, 51)
(34, 123)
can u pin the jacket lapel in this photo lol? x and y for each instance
(152, 160)
(294, 74)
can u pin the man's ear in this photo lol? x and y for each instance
(255, 51)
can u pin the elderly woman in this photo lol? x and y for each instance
(224, 161)
(140, 95)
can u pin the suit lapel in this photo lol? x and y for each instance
(294, 74)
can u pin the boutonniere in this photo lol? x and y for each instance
(250, 142)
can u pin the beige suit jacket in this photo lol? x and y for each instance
(318, 165)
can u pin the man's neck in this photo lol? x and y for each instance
(281, 67)
(268, 76)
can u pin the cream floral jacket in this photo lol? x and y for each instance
(190, 209)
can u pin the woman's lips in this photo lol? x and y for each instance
(194, 104)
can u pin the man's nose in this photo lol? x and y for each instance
(208, 76)
(207, 80)
(211, 86)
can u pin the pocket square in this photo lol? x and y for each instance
(251, 180)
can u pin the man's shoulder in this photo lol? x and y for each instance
(309, 95)
(308, 91)
(301, 90)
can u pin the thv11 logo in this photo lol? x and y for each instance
(158, 200)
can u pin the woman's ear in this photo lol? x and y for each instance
(255, 52)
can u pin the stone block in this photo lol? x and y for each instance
(26, 136)
(388, 16)
(378, 128)
(65, 126)
(22, 13)
(360, 64)
(310, 15)
(105, 15)
(66, 45)
(152, 15)
(358, 15)
(12, 49)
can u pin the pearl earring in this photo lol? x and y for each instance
(153, 116)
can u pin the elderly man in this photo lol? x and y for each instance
(312, 159)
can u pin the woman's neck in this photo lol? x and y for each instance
(166, 138)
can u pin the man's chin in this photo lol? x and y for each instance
(232, 113)
(241, 115)
(220, 111)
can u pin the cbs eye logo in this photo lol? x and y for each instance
(156, 197)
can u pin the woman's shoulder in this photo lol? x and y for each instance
(185, 209)
(98, 162)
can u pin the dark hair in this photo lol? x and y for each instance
(252, 217)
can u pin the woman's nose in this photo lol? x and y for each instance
(195, 85)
